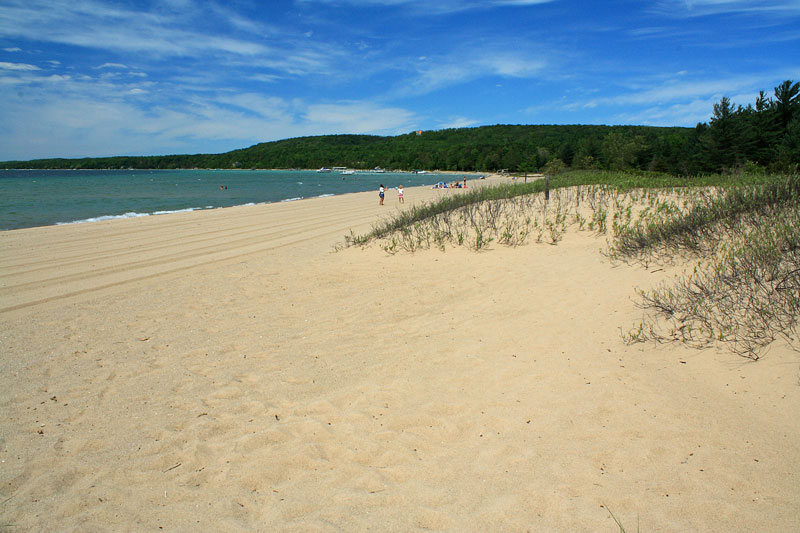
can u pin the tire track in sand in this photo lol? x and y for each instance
(197, 248)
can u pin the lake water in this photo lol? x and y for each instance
(30, 198)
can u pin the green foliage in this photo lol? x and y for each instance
(487, 148)
(554, 167)
(607, 181)
(741, 231)
(766, 134)
(744, 290)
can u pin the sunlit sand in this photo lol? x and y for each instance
(230, 370)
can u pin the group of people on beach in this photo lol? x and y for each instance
(382, 193)
(441, 185)
(454, 185)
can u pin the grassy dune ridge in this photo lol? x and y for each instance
(738, 234)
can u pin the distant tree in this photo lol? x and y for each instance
(787, 101)
(788, 152)
(584, 162)
(554, 167)
(763, 103)
(622, 151)
(566, 152)
(723, 143)
(542, 156)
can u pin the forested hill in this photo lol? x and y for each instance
(766, 133)
(485, 148)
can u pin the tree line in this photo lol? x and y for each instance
(764, 134)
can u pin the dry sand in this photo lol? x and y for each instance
(227, 371)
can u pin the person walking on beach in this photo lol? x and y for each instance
(400, 195)
(381, 193)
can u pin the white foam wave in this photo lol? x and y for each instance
(105, 217)
(187, 210)
(131, 214)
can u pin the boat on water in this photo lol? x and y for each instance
(348, 172)
(324, 170)
(378, 170)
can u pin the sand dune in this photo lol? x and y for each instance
(227, 370)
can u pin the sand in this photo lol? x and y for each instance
(228, 370)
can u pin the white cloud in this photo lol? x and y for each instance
(272, 108)
(92, 24)
(684, 113)
(464, 65)
(169, 35)
(660, 101)
(508, 64)
(10, 80)
(17, 66)
(459, 122)
(358, 117)
(691, 8)
(267, 78)
(439, 7)
(521, 2)
(112, 65)
(95, 116)
(54, 78)
(658, 91)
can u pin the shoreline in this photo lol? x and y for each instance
(227, 367)
(137, 214)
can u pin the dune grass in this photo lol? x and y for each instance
(616, 181)
(741, 233)
(744, 289)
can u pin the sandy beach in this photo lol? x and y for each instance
(229, 370)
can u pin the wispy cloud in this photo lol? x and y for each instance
(83, 116)
(672, 101)
(17, 66)
(467, 64)
(112, 65)
(90, 24)
(692, 8)
(360, 117)
(132, 76)
(458, 122)
(439, 7)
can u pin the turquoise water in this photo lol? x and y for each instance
(30, 198)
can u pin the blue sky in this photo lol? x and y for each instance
(138, 77)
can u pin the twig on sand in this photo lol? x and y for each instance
(172, 467)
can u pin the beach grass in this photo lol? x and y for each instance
(597, 180)
(744, 288)
(619, 523)
(739, 232)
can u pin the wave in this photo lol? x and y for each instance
(131, 214)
